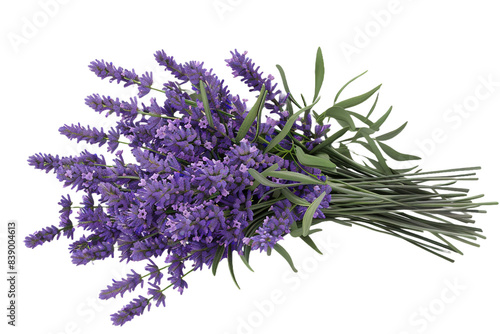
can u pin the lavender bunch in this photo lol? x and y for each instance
(214, 178)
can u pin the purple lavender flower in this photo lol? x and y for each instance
(127, 313)
(65, 222)
(146, 81)
(78, 132)
(120, 287)
(107, 70)
(193, 72)
(185, 195)
(155, 273)
(157, 294)
(244, 67)
(176, 271)
(93, 251)
(273, 228)
(46, 162)
(113, 137)
(47, 234)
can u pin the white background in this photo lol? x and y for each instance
(432, 57)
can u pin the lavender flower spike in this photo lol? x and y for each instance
(134, 308)
(78, 132)
(120, 287)
(38, 238)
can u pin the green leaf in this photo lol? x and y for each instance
(297, 232)
(251, 116)
(316, 230)
(373, 107)
(344, 150)
(246, 256)
(245, 261)
(315, 114)
(218, 255)
(259, 116)
(303, 99)
(374, 149)
(376, 165)
(319, 73)
(192, 103)
(341, 115)
(230, 264)
(360, 133)
(362, 143)
(285, 254)
(288, 125)
(361, 118)
(312, 161)
(354, 101)
(290, 98)
(308, 216)
(271, 168)
(206, 106)
(395, 154)
(293, 176)
(322, 156)
(294, 198)
(307, 239)
(341, 89)
(261, 179)
(405, 170)
(376, 126)
(328, 141)
(392, 134)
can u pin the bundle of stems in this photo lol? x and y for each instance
(424, 208)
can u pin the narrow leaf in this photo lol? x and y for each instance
(294, 198)
(354, 101)
(262, 180)
(322, 156)
(311, 210)
(360, 133)
(258, 177)
(218, 255)
(341, 89)
(288, 125)
(251, 116)
(192, 103)
(230, 264)
(245, 261)
(344, 150)
(307, 239)
(373, 107)
(312, 161)
(396, 155)
(341, 115)
(392, 134)
(381, 160)
(361, 118)
(206, 106)
(328, 141)
(259, 116)
(376, 126)
(405, 170)
(271, 168)
(319, 73)
(290, 98)
(246, 255)
(293, 176)
(285, 255)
